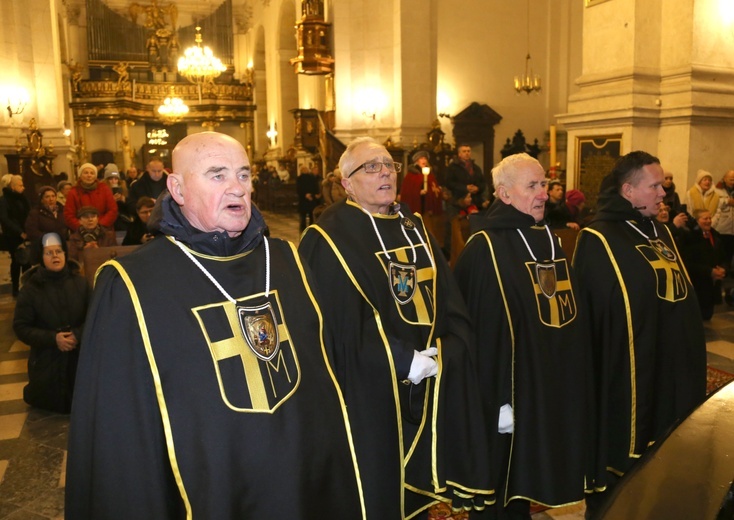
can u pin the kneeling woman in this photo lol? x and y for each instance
(49, 316)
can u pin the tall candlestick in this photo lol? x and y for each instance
(553, 147)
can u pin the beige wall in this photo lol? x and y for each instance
(659, 72)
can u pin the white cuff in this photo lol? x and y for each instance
(506, 423)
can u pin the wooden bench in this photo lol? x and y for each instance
(92, 259)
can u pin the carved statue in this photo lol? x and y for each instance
(162, 44)
(75, 71)
(155, 15)
(123, 80)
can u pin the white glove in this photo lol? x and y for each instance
(506, 423)
(423, 365)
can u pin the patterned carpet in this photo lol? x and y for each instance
(443, 512)
(716, 378)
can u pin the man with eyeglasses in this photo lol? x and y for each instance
(400, 345)
(138, 232)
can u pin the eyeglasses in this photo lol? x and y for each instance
(53, 252)
(376, 167)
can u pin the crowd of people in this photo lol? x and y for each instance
(358, 371)
(46, 240)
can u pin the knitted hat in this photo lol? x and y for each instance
(108, 174)
(420, 153)
(50, 239)
(62, 184)
(575, 198)
(84, 167)
(111, 167)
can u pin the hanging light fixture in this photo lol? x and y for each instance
(198, 64)
(173, 109)
(528, 82)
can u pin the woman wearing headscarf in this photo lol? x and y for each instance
(49, 317)
(703, 195)
(419, 191)
(46, 217)
(89, 191)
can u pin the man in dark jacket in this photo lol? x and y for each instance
(308, 186)
(14, 210)
(464, 175)
(151, 184)
(705, 259)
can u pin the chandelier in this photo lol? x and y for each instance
(173, 109)
(528, 82)
(198, 64)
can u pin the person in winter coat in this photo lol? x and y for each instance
(671, 199)
(421, 193)
(47, 217)
(89, 191)
(723, 220)
(90, 234)
(14, 209)
(702, 195)
(49, 317)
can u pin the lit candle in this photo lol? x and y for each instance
(553, 147)
(426, 170)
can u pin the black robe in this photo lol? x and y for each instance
(533, 353)
(408, 458)
(175, 416)
(648, 338)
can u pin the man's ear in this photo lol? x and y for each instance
(503, 194)
(347, 185)
(175, 187)
(626, 191)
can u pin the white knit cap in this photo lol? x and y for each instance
(51, 239)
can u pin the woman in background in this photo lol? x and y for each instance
(46, 217)
(49, 317)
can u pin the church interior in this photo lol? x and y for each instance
(575, 83)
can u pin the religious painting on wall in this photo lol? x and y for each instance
(595, 158)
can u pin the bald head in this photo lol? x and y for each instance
(211, 182)
(204, 143)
